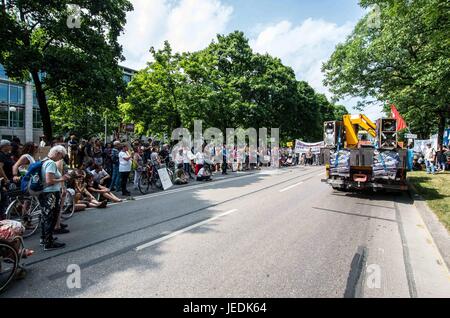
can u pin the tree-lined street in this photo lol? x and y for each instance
(269, 234)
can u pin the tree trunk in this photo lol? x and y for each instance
(43, 107)
(442, 122)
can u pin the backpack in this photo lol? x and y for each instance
(32, 183)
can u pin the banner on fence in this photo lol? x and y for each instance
(303, 147)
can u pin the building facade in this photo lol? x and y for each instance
(19, 108)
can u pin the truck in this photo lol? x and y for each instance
(360, 154)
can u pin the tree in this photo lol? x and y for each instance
(79, 62)
(406, 62)
(226, 85)
(154, 93)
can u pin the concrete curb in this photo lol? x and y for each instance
(437, 230)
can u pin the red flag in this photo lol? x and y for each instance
(401, 124)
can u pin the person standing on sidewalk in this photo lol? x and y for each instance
(430, 157)
(50, 198)
(225, 159)
(73, 152)
(115, 182)
(125, 162)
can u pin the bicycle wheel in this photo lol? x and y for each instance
(68, 208)
(157, 180)
(9, 261)
(27, 211)
(144, 183)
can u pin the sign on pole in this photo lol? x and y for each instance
(410, 136)
(165, 178)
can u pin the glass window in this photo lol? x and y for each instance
(37, 121)
(4, 116)
(17, 118)
(35, 101)
(16, 95)
(3, 72)
(3, 93)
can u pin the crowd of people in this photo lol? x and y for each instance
(95, 173)
(431, 159)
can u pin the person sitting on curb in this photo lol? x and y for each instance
(95, 187)
(86, 197)
(202, 175)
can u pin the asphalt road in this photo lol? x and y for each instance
(276, 233)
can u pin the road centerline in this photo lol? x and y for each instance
(291, 187)
(186, 229)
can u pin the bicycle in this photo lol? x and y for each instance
(68, 208)
(26, 210)
(9, 261)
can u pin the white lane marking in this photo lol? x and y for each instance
(322, 174)
(173, 234)
(291, 187)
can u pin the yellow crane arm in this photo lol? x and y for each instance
(351, 133)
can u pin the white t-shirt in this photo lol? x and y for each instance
(98, 176)
(199, 158)
(124, 165)
(429, 154)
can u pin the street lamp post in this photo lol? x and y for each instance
(13, 110)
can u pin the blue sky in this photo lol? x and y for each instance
(302, 33)
(249, 13)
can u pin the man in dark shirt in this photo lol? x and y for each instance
(6, 165)
(6, 162)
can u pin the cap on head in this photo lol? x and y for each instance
(4, 143)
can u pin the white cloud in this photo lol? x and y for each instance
(189, 25)
(303, 47)
(194, 23)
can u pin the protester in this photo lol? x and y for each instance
(20, 167)
(180, 176)
(441, 158)
(199, 160)
(125, 161)
(187, 154)
(430, 157)
(94, 187)
(225, 159)
(115, 182)
(203, 175)
(138, 165)
(100, 175)
(309, 157)
(50, 198)
(72, 146)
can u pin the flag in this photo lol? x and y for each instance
(401, 124)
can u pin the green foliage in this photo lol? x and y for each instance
(405, 62)
(226, 85)
(80, 65)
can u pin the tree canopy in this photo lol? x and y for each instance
(74, 64)
(404, 61)
(226, 85)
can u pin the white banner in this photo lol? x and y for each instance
(421, 145)
(303, 147)
(165, 178)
